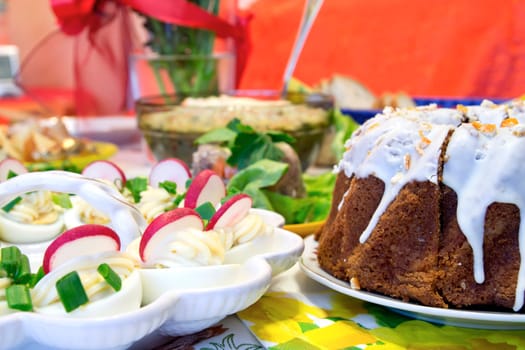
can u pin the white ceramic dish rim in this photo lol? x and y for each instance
(460, 318)
(96, 333)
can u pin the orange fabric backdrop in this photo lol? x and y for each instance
(439, 48)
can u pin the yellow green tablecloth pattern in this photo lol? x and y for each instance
(330, 320)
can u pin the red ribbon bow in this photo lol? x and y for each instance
(78, 16)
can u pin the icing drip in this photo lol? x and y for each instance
(471, 156)
(398, 147)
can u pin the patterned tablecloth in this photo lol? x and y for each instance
(297, 313)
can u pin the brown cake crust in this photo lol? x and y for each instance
(340, 236)
(342, 182)
(400, 256)
(417, 251)
(501, 257)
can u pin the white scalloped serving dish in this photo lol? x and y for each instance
(204, 296)
(198, 297)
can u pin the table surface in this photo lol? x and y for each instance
(300, 313)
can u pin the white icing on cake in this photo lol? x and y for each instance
(398, 146)
(484, 163)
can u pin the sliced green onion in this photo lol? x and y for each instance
(205, 210)
(71, 291)
(9, 206)
(10, 259)
(111, 277)
(35, 277)
(62, 200)
(23, 271)
(178, 199)
(11, 174)
(18, 297)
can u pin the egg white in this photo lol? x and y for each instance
(127, 299)
(12, 231)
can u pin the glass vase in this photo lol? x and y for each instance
(189, 75)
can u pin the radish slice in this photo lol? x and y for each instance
(170, 169)
(231, 212)
(159, 230)
(105, 170)
(80, 240)
(207, 186)
(12, 164)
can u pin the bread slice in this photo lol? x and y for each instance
(348, 93)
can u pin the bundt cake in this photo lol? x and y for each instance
(426, 207)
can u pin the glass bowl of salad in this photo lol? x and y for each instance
(170, 124)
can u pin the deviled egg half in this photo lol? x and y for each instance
(86, 275)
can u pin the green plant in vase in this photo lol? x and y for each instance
(187, 55)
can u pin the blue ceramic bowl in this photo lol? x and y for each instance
(361, 115)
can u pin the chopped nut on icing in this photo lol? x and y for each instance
(519, 131)
(425, 141)
(396, 178)
(488, 129)
(462, 109)
(509, 122)
(407, 161)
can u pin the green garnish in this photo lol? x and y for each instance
(136, 186)
(253, 179)
(62, 200)
(35, 277)
(18, 297)
(246, 144)
(169, 186)
(23, 271)
(15, 265)
(9, 206)
(71, 291)
(111, 277)
(10, 259)
(205, 210)
(258, 160)
(344, 127)
(193, 74)
(11, 174)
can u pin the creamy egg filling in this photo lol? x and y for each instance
(44, 294)
(35, 218)
(189, 247)
(153, 202)
(35, 208)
